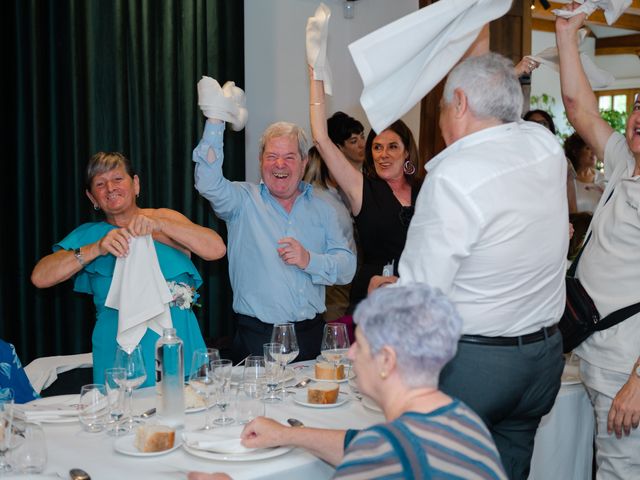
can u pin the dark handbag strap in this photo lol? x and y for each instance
(614, 317)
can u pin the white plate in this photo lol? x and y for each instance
(125, 446)
(300, 397)
(253, 455)
(56, 400)
(308, 371)
(369, 404)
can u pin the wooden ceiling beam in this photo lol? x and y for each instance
(626, 20)
(618, 45)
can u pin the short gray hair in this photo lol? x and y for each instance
(418, 322)
(103, 162)
(285, 129)
(491, 86)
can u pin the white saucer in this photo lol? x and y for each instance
(125, 446)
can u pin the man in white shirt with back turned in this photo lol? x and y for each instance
(491, 231)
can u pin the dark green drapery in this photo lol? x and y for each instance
(113, 75)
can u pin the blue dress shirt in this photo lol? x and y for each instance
(263, 285)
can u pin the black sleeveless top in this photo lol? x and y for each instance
(382, 226)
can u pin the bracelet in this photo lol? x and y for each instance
(79, 257)
(316, 103)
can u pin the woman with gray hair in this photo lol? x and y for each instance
(406, 335)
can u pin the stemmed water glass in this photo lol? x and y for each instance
(285, 334)
(113, 379)
(222, 370)
(130, 359)
(201, 378)
(335, 343)
(6, 426)
(273, 369)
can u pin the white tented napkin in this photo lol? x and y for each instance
(612, 9)
(63, 406)
(401, 62)
(224, 440)
(226, 103)
(140, 293)
(316, 40)
(598, 78)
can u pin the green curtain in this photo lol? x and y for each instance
(112, 75)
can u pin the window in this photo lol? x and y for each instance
(618, 100)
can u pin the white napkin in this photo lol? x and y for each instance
(401, 62)
(226, 103)
(40, 410)
(224, 440)
(317, 33)
(598, 78)
(612, 9)
(140, 293)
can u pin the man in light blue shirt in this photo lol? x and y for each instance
(284, 244)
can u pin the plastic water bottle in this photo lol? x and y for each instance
(170, 379)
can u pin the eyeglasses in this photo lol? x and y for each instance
(405, 215)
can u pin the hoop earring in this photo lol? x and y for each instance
(96, 207)
(409, 168)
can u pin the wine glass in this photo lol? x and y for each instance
(285, 334)
(201, 378)
(273, 368)
(335, 343)
(222, 377)
(6, 426)
(130, 359)
(113, 379)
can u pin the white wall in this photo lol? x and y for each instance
(625, 68)
(276, 80)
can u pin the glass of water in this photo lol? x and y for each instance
(30, 452)
(94, 407)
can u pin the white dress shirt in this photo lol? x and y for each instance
(491, 229)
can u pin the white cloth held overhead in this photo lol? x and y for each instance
(226, 103)
(612, 9)
(317, 33)
(401, 62)
(598, 78)
(140, 293)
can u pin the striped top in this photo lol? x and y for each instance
(450, 442)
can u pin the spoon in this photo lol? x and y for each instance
(148, 413)
(294, 422)
(78, 474)
(302, 383)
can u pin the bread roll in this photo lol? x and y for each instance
(323, 393)
(327, 371)
(192, 399)
(154, 438)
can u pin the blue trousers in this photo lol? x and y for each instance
(511, 388)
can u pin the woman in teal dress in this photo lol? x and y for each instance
(89, 253)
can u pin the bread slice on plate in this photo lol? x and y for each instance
(323, 393)
(328, 371)
(154, 438)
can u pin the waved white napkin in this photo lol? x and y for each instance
(317, 33)
(226, 103)
(401, 62)
(224, 440)
(140, 293)
(598, 78)
(612, 9)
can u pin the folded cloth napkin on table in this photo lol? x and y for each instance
(226, 103)
(612, 9)
(43, 371)
(224, 440)
(140, 293)
(402, 61)
(317, 33)
(598, 78)
(59, 407)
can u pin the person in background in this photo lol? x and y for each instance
(88, 254)
(317, 174)
(543, 118)
(609, 266)
(381, 197)
(285, 242)
(404, 338)
(590, 182)
(348, 135)
(13, 376)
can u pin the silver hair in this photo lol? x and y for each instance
(418, 322)
(285, 129)
(490, 85)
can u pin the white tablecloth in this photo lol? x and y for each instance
(564, 441)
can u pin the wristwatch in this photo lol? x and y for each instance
(78, 254)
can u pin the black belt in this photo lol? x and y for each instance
(546, 332)
(262, 327)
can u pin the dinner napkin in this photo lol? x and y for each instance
(317, 33)
(226, 103)
(140, 293)
(402, 61)
(598, 78)
(224, 440)
(612, 9)
(65, 407)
